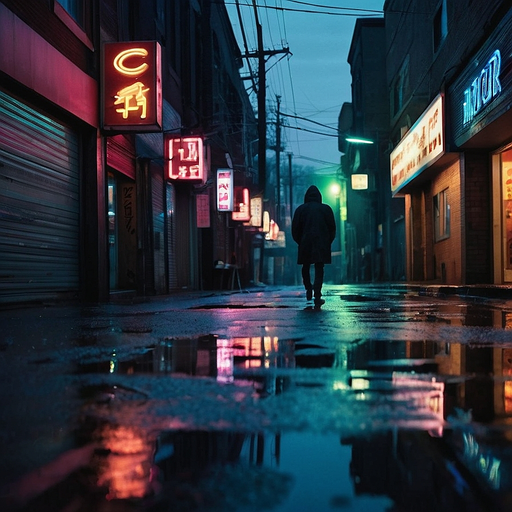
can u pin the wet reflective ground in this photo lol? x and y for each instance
(382, 400)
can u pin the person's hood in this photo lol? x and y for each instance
(313, 195)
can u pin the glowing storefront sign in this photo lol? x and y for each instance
(421, 147)
(132, 86)
(256, 212)
(185, 158)
(485, 87)
(242, 205)
(266, 222)
(225, 190)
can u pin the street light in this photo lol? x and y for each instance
(359, 181)
(336, 189)
(358, 140)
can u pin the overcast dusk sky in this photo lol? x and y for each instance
(314, 81)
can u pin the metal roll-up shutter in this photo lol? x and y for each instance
(157, 199)
(39, 205)
(171, 236)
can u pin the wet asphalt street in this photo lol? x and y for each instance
(387, 398)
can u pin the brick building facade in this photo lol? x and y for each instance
(448, 65)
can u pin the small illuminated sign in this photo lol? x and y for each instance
(132, 86)
(241, 205)
(359, 181)
(484, 88)
(266, 222)
(185, 158)
(273, 232)
(256, 212)
(225, 190)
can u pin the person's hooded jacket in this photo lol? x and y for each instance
(313, 229)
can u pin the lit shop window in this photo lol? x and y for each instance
(441, 216)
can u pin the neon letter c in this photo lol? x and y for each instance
(132, 52)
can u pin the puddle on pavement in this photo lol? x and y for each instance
(450, 311)
(240, 306)
(371, 425)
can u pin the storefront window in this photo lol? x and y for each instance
(506, 176)
(441, 216)
(112, 230)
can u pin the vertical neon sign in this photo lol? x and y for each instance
(225, 190)
(185, 158)
(132, 86)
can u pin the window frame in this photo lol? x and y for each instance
(79, 29)
(441, 210)
(439, 27)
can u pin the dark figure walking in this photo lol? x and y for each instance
(314, 229)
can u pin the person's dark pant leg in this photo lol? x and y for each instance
(306, 279)
(319, 280)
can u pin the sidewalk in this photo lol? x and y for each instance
(487, 291)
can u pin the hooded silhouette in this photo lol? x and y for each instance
(313, 229)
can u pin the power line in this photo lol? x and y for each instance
(334, 7)
(310, 131)
(309, 120)
(316, 160)
(309, 11)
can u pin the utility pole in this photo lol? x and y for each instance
(260, 54)
(278, 160)
(262, 124)
(290, 181)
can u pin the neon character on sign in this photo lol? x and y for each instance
(132, 52)
(133, 99)
(485, 87)
(192, 155)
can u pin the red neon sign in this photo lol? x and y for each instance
(185, 158)
(132, 86)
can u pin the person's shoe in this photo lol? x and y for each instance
(309, 295)
(319, 302)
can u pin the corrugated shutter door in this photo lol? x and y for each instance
(39, 205)
(171, 235)
(157, 184)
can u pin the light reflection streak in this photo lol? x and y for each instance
(127, 469)
(487, 465)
